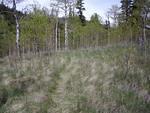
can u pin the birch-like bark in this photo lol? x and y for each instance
(17, 33)
(56, 31)
(66, 27)
(17, 28)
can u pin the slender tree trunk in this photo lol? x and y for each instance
(66, 25)
(17, 34)
(56, 35)
(144, 36)
(23, 49)
(59, 39)
(17, 28)
(108, 41)
(56, 30)
(131, 35)
(144, 31)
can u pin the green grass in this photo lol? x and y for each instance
(104, 80)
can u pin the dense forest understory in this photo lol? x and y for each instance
(110, 79)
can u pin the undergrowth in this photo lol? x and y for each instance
(103, 80)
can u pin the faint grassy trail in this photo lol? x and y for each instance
(77, 82)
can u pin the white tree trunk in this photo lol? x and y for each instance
(66, 27)
(17, 33)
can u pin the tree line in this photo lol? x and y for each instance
(44, 30)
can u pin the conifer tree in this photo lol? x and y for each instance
(81, 8)
(126, 6)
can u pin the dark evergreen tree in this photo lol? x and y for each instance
(126, 6)
(81, 8)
